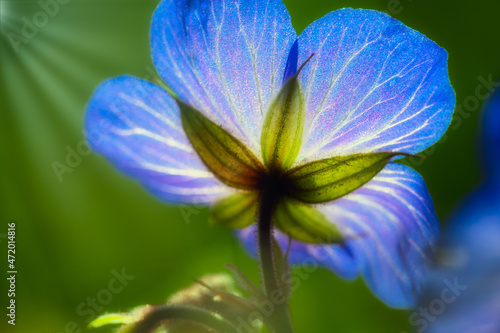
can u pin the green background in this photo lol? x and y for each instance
(72, 233)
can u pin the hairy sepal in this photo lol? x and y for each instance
(282, 132)
(332, 178)
(239, 210)
(305, 223)
(228, 158)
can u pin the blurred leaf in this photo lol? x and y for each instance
(126, 319)
(112, 318)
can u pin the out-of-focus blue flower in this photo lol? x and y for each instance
(490, 138)
(373, 85)
(470, 251)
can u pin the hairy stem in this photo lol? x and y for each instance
(279, 320)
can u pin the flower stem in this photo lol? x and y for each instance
(160, 314)
(279, 320)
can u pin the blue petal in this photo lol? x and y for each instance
(373, 85)
(137, 126)
(392, 228)
(224, 57)
(490, 136)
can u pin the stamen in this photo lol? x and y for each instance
(305, 63)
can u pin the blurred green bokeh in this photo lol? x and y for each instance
(73, 232)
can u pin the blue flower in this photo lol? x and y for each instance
(372, 85)
(471, 248)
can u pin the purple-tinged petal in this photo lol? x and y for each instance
(393, 227)
(225, 58)
(137, 126)
(490, 136)
(373, 85)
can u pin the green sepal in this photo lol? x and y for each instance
(305, 223)
(236, 211)
(228, 158)
(282, 131)
(329, 179)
